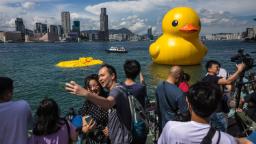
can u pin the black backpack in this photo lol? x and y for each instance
(140, 120)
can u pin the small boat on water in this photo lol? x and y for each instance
(117, 50)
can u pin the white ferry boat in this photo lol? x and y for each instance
(117, 50)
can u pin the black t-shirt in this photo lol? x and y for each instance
(211, 78)
(139, 91)
(214, 79)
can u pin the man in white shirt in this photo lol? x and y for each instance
(202, 100)
(15, 115)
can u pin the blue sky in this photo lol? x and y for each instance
(136, 15)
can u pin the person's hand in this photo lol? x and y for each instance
(142, 79)
(105, 131)
(239, 110)
(88, 127)
(74, 88)
(241, 67)
(243, 141)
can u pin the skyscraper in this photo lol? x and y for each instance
(104, 34)
(76, 26)
(65, 21)
(60, 30)
(38, 28)
(19, 25)
(150, 35)
(53, 29)
(44, 28)
(41, 28)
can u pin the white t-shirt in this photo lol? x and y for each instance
(15, 117)
(190, 133)
(223, 73)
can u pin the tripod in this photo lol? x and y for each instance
(244, 121)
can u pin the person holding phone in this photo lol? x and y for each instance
(95, 118)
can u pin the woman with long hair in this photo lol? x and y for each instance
(95, 118)
(49, 127)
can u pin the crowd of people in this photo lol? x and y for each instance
(186, 113)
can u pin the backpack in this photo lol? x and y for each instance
(140, 121)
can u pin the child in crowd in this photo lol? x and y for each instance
(183, 85)
(49, 127)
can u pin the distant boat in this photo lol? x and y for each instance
(117, 50)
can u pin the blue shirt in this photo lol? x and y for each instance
(169, 94)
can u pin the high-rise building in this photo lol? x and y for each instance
(60, 30)
(28, 32)
(53, 29)
(41, 28)
(65, 21)
(44, 28)
(38, 28)
(76, 26)
(150, 35)
(104, 33)
(19, 25)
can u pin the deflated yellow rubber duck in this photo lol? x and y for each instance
(179, 44)
(81, 62)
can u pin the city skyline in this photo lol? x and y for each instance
(216, 15)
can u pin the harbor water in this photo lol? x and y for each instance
(32, 66)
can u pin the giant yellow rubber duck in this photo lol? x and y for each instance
(179, 44)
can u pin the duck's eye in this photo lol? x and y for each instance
(175, 23)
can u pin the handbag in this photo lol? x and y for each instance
(70, 141)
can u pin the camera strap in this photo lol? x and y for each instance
(167, 100)
(68, 128)
(208, 138)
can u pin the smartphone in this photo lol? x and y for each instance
(88, 118)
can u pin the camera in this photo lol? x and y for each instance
(240, 57)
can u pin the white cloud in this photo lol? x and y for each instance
(28, 5)
(133, 23)
(138, 27)
(123, 23)
(221, 18)
(116, 7)
(245, 7)
(137, 15)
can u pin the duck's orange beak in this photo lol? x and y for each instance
(189, 28)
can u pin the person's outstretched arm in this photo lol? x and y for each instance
(233, 77)
(74, 88)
